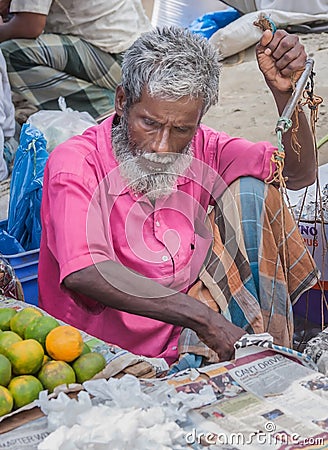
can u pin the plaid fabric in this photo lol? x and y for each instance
(255, 271)
(56, 65)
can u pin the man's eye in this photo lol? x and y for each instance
(181, 129)
(149, 122)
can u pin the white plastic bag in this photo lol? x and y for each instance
(241, 33)
(59, 125)
(7, 116)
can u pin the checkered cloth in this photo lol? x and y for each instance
(258, 265)
(53, 65)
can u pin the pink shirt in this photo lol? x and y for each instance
(89, 215)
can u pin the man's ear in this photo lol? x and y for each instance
(120, 100)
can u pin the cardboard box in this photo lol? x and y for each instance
(313, 304)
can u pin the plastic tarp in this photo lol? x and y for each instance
(209, 23)
(24, 225)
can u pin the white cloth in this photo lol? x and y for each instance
(241, 33)
(300, 6)
(111, 25)
(7, 115)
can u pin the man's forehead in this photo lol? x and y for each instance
(184, 109)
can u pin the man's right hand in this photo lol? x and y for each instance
(220, 335)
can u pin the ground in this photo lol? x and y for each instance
(246, 107)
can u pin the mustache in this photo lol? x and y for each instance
(159, 158)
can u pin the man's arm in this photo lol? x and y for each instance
(281, 58)
(112, 284)
(4, 8)
(22, 25)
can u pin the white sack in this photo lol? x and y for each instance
(241, 33)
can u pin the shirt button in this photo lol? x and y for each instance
(174, 347)
(165, 258)
(157, 223)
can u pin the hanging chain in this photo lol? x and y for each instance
(285, 123)
(294, 107)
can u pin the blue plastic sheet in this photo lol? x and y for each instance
(24, 224)
(8, 244)
(209, 23)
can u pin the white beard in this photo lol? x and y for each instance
(151, 174)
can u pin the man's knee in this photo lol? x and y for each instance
(248, 187)
(8, 47)
(16, 55)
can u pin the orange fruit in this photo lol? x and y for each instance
(56, 373)
(5, 315)
(64, 343)
(5, 370)
(19, 321)
(6, 401)
(88, 365)
(7, 338)
(26, 356)
(24, 389)
(39, 328)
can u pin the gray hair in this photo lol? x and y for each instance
(171, 62)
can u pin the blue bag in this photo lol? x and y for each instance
(24, 223)
(209, 23)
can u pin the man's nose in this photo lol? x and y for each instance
(161, 142)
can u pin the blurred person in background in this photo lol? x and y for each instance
(68, 48)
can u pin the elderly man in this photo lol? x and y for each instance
(129, 252)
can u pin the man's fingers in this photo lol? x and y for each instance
(288, 65)
(266, 38)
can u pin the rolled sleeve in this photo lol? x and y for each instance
(33, 6)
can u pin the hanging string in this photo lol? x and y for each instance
(278, 159)
(313, 101)
(283, 125)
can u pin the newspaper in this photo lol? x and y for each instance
(26, 437)
(317, 350)
(267, 400)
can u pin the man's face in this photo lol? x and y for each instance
(152, 141)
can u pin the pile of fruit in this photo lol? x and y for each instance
(37, 353)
